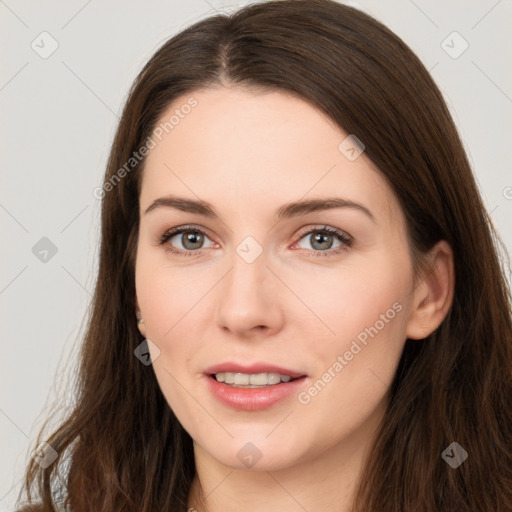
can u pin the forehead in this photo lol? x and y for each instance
(242, 147)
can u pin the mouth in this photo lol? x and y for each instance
(256, 375)
(253, 380)
(254, 391)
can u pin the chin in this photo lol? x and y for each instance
(256, 454)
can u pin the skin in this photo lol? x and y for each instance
(247, 153)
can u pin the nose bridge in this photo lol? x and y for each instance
(249, 267)
(248, 298)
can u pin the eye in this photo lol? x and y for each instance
(190, 238)
(322, 240)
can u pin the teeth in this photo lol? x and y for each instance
(253, 380)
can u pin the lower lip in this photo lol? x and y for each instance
(253, 399)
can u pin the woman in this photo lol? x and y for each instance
(292, 236)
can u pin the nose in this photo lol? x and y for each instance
(249, 299)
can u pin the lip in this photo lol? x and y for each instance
(253, 399)
(253, 368)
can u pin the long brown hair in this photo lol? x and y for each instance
(126, 450)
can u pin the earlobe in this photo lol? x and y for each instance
(434, 295)
(141, 326)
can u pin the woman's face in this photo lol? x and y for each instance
(259, 286)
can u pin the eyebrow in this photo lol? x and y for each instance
(286, 211)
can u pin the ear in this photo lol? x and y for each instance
(433, 295)
(137, 307)
(138, 314)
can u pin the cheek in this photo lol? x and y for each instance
(356, 367)
(175, 306)
(365, 310)
(348, 300)
(170, 297)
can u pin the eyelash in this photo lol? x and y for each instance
(346, 241)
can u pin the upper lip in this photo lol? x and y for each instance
(252, 368)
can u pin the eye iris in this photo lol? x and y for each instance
(194, 237)
(318, 237)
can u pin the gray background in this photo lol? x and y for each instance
(59, 115)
